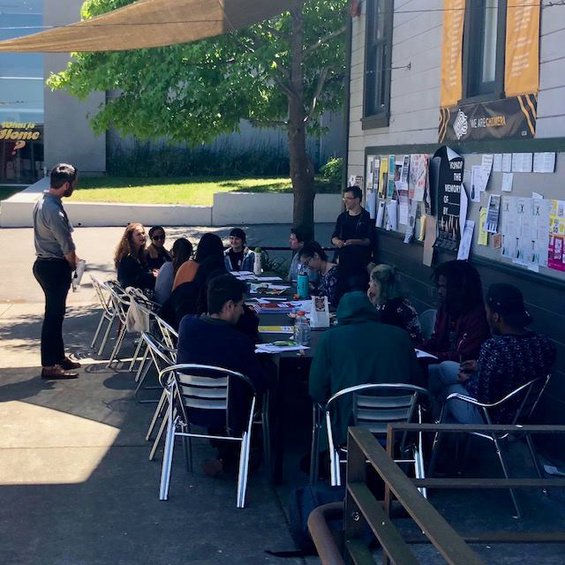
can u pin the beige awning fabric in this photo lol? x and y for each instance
(150, 23)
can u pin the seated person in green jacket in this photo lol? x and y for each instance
(359, 350)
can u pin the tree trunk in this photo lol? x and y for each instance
(301, 167)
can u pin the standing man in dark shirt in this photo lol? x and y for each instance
(354, 225)
(53, 267)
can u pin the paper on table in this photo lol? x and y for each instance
(244, 275)
(423, 354)
(276, 329)
(507, 179)
(267, 279)
(274, 348)
(466, 241)
(497, 163)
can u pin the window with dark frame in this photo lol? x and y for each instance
(378, 60)
(483, 49)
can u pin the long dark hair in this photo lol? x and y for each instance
(307, 252)
(464, 289)
(210, 245)
(181, 251)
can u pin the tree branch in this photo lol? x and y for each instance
(309, 50)
(319, 86)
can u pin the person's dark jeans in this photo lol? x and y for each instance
(54, 276)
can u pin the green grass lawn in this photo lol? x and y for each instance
(190, 192)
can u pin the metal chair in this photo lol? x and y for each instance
(525, 399)
(109, 312)
(427, 322)
(149, 309)
(203, 388)
(374, 406)
(120, 302)
(162, 357)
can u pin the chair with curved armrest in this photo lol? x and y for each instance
(524, 399)
(374, 406)
(201, 389)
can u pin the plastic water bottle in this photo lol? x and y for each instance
(303, 283)
(257, 270)
(301, 329)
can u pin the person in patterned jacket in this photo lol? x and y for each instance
(512, 357)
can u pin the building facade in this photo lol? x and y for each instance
(479, 84)
(40, 127)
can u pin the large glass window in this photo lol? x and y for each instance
(21, 96)
(378, 62)
(484, 48)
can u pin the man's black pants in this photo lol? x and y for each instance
(54, 276)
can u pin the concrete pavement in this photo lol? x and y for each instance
(75, 482)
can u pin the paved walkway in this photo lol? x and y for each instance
(75, 483)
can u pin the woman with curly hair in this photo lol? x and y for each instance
(129, 259)
(393, 307)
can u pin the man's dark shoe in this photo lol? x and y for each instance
(68, 364)
(57, 372)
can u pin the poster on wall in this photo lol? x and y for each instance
(447, 181)
(525, 226)
(556, 247)
(508, 118)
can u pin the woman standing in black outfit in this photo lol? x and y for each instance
(130, 262)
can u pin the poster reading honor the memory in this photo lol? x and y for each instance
(448, 186)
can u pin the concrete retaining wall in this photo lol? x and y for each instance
(232, 208)
(229, 209)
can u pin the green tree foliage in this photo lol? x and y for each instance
(284, 72)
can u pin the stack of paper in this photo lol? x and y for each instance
(279, 346)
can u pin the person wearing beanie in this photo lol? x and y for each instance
(512, 357)
(238, 257)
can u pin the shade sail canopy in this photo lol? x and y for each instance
(150, 23)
